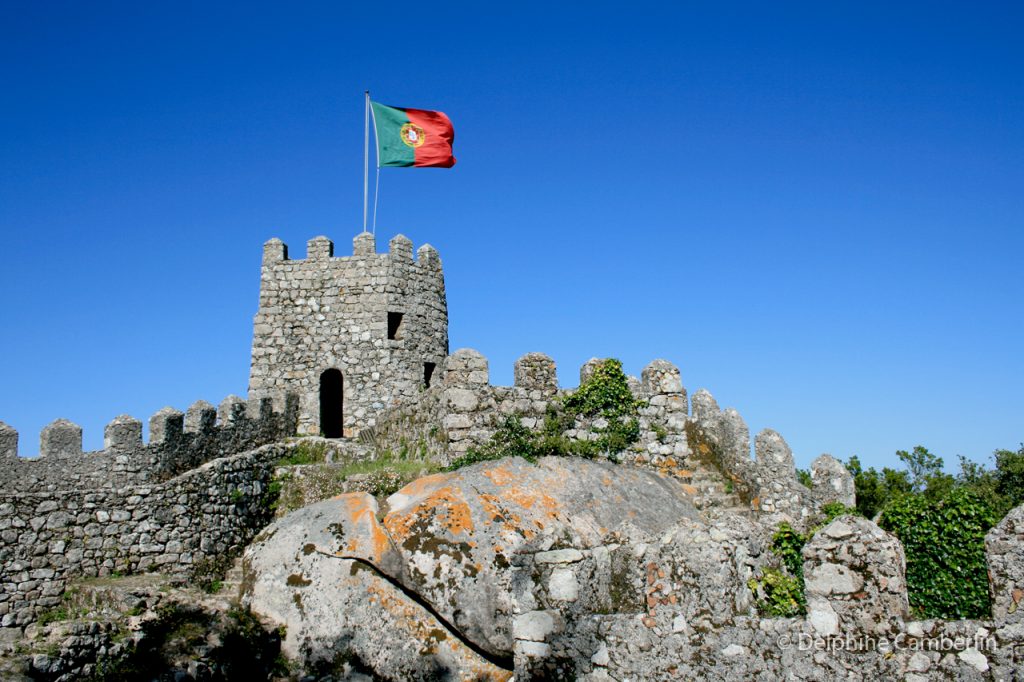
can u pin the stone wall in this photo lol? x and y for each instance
(178, 442)
(767, 482)
(379, 319)
(678, 607)
(206, 515)
(708, 450)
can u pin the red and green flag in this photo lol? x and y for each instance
(412, 137)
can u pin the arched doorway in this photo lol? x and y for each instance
(332, 398)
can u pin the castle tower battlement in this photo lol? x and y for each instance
(352, 336)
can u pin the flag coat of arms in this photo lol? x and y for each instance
(412, 137)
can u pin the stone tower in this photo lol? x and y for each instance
(352, 336)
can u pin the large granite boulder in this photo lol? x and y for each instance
(429, 573)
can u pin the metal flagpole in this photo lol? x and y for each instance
(366, 160)
(376, 184)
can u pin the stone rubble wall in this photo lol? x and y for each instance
(678, 607)
(327, 312)
(414, 427)
(708, 450)
(178, 442)
(189, 524)
(767, 482)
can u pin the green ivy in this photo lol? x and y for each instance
(944, 541)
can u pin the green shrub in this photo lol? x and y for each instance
(604, 395)
(778, 594)
(781, 592)
(944, 541)
(804, 476)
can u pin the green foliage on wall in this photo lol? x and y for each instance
(944, 541)
(779, 591)
(605, 395)
(941, 519)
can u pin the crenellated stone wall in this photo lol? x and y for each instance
(206, 515)
(708, 450)
(678, 607)
(178, 442)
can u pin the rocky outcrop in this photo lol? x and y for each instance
(577, 569)
(438, 558)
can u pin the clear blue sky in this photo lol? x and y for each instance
(814, 210)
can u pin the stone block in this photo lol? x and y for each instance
(704, 406)
(536, 372)
(365, 244)
(231, 410)
(123, 433)
(166, 425)
(200, 417)
(588, 368)
(855, 580)
(661, 377)
(319, 249)
(400, 249)
(60, 438)
(773, 453)
(1004, 548)
(462, 399)
(8, 442)
(428, 257)
(832, 481)
(274, 251)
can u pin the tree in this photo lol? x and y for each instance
(1010, 475)
(875, 489)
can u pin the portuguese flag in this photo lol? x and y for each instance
(412, 137)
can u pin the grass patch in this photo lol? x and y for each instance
(316, 482)
(305, 452)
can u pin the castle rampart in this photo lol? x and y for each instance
(205, 515)
(352, 336)
(709, 451)
(177, 444)
(677, 606)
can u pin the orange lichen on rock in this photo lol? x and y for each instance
(500, 475)
(446, 504)
(421, 485)
(367, 539)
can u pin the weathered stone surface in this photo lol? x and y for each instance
(458, 533)
(8, 442)
(1004, 546)
(854, 578)
(832, 481)
(60, 438)
(341, 610)
(536, 372)
(124, 433)
(166, 425)
(378, 319)
(661, 377)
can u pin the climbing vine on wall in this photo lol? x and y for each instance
(944, 542)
